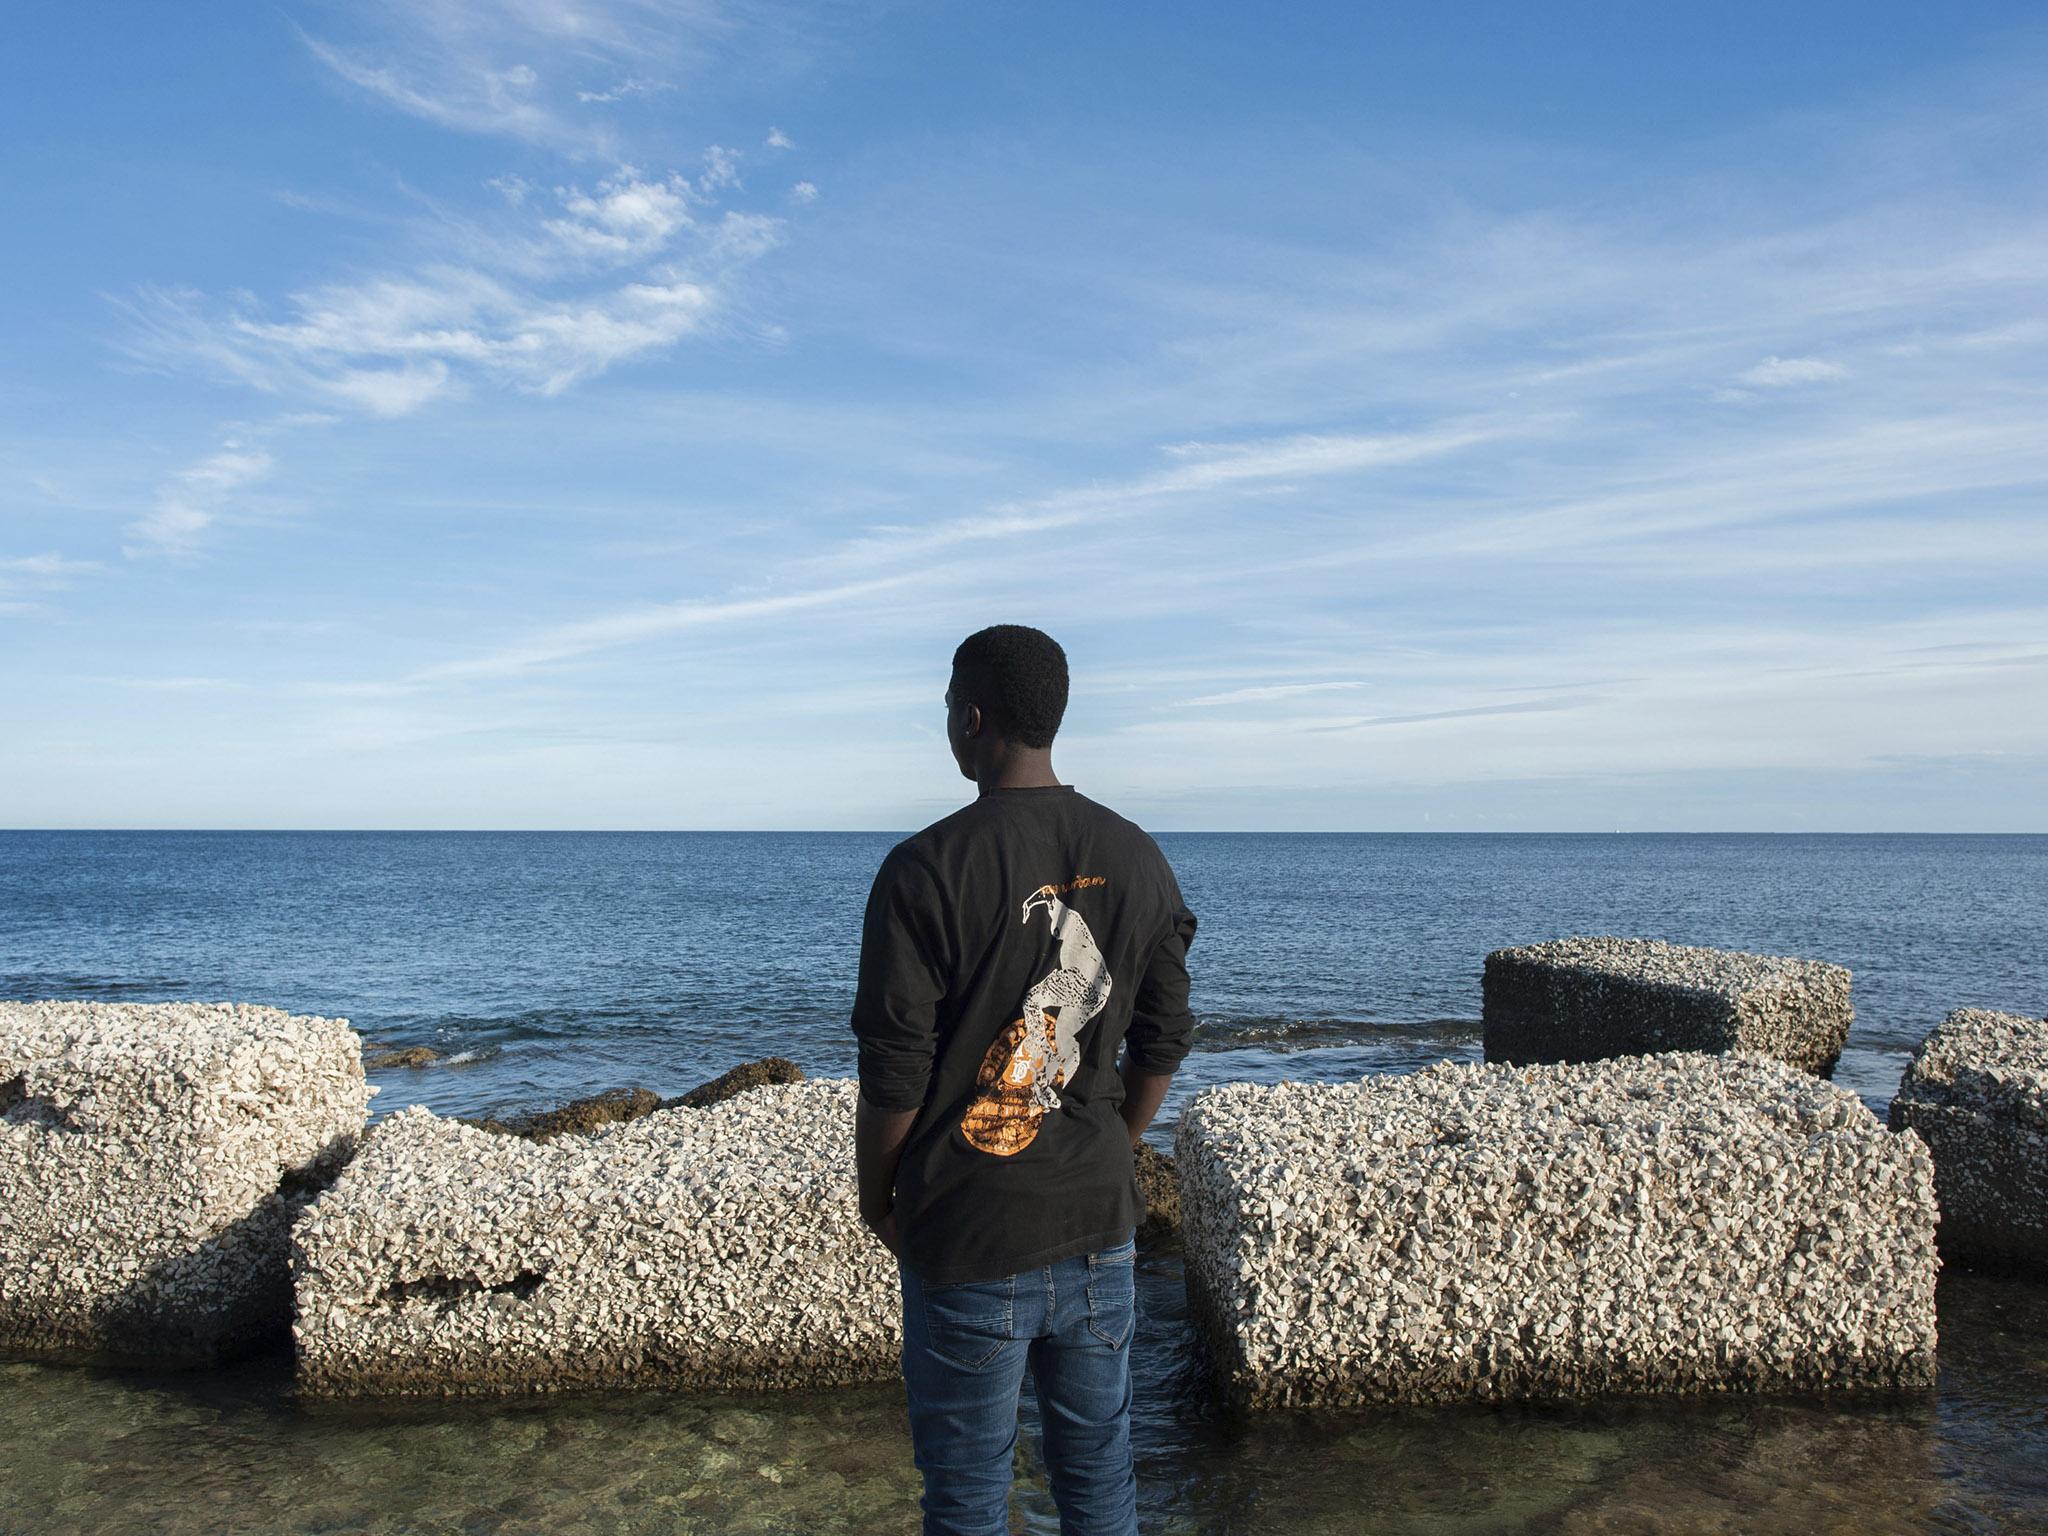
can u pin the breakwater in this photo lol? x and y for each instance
(1668, 1223)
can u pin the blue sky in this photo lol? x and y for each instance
(500, 413)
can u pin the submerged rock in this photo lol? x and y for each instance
(152, 1158)
(721, 1248)
(768, 1072)
(1584, 999)
(1977, 1092)
(612, 1107)
(1675, 1223)
(1160, 1188)
(615, 1106)
(378, 1057)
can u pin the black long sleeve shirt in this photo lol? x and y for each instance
(1009, 951)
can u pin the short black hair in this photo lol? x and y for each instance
(1017, 676)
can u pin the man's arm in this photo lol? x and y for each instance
(1144, 1092)
(878, 1137)
(895, 1018)
(1162, 1028)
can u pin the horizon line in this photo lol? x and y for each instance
(268, 831)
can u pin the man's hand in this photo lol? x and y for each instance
(878, 1137)
(1143, 1094)
(885, 1229)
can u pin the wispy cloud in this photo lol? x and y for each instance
(625, 90)
(52, 568)
(648, 621)
(1468, 712)
(1787, 372)
(1199, 468)
(623, 269)
(27, 581)
(1267, 692)
(522, 69)
(191, 498)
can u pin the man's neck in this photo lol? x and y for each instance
(1014, 767)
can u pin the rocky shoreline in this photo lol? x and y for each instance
(180, 1183)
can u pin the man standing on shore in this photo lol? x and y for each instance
(1009, 951)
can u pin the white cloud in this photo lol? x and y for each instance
(803, 192)
(1787, 372)
(190, 499)
(777, 139)
(627, 217)
(472, 99)
(36, 574)
(522, 69)
(50, 567)
(618, 271)
(1204, 468)
(624, 90)
(721, 171)
(649, 621)
(1268, 691)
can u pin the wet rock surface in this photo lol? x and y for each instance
(715, 1248)
(1584, 999)
(615, 1106)
(769, 1072)
(1160, 1187)
(377, 1058)
(152, 1159)
(1977, 1092)
(1677, 1223)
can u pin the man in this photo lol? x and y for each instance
(1009, 950)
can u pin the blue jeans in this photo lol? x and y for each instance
(964, 1350)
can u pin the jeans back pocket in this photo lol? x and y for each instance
(1113, 1294)
(969, 1323)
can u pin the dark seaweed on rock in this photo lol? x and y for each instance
(612, 1107)
(380, 1056)
(770, 1071)
(1161, 1189)
(616, 1106)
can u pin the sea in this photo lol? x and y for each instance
(546, 966)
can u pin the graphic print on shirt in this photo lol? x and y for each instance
(1036, 1054)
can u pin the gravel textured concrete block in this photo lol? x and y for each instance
(1675, 1223)
(700, 1248)
(1586, 999)
(1977, 1092)
(152, 1158)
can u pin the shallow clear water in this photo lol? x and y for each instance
(85, 1451)
(563, 963)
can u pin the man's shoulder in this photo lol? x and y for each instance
(1107, 817)
(923, 854)
(943, 844)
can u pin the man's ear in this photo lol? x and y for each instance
(970, 722)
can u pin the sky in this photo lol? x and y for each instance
(611, 413)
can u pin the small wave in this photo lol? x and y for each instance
(1227, 1033)
(55, 986)
(469, 1057)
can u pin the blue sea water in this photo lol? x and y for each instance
(554, 964)
(548, 965)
